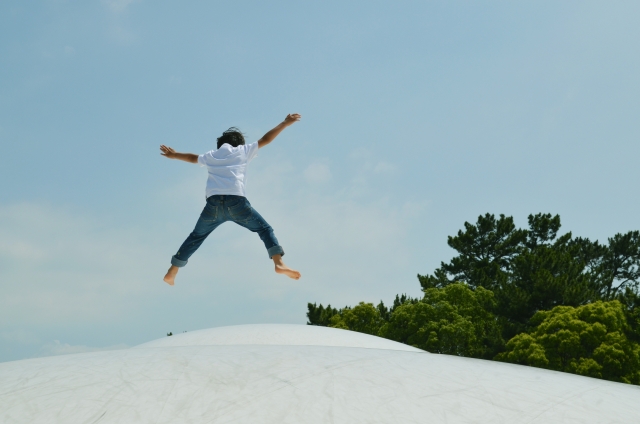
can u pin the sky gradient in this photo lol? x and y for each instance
(416, 117)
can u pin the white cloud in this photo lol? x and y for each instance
(18, 336)
(121, 34)
(17, 249)
(384, 168)
(118, 28)
(317, 173)
(118, 6)
(69, 51)
(58, 266)
(348, 245)
(61, 269)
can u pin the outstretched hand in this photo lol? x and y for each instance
(167, 152)
(292, 118)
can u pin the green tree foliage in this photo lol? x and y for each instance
(453, 320)
(564, 303)
(485, 252)
(364, 318)
(618, 268)
(319, 315)
(535, 269)
(631, 301)
(588, 340)
(397, 302)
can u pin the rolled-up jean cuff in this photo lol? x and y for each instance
(177, 262)
(274, 250)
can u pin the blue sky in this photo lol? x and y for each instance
(417, 117)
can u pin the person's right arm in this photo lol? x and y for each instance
(271, 135)
(168, 152)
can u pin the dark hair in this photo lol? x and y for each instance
(232, 136)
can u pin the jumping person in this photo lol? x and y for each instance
(226, 199)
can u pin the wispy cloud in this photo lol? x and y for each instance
(69, 51)
(118, 29)
(118, 6)
(121, 34)
(63, 262)
(60, 267)
(384, 168)
(18, 337)
(317, 173)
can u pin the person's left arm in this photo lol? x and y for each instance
(291, 119)
(168, 152)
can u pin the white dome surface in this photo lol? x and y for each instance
(278, 335)
(204, 377)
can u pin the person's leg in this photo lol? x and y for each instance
(209, 220)
(281, 268)
(243, 214)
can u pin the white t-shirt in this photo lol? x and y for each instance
(227, 167)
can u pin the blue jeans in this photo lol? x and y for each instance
(223, 208)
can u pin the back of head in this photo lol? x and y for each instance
(232, 136)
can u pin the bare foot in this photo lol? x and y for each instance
(281, 268)
(291, 273)
(171, 275)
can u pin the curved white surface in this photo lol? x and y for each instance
(262, 383)
(277, 335)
